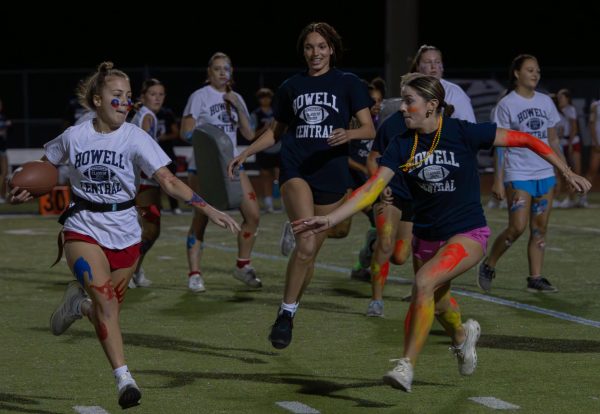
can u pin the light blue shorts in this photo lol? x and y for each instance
(536, 188)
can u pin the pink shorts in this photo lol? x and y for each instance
(425, 249)
(117, 259)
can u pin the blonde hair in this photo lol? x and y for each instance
(94, 84)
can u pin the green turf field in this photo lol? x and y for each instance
(208, 352)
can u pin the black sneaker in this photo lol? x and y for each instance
(364, 275)
(485, 276)
(540, 284)
(281, 331)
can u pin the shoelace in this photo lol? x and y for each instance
(401, 364)
(457, 352)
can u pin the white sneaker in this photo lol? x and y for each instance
(129, 392)
(287, 243)
(177, 211)
(466, 353)
(247, 274)
(140, 279)
(196, 283)
(375, 308)
(401, 376)
(70, 308)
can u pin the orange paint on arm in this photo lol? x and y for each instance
(451, 257)
(368, 192)
(523, 139)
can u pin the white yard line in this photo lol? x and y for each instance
(475, 295)
(93, 409)
(530, 308)
(494, 403)
(297, 407)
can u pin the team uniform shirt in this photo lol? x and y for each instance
(207, 106)
(390, 129)
(569, 113)
(445, 187)
(460, 100)
(534, 116)
(105, 168)
(138, 120)
(312, 107)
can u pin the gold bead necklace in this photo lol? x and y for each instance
(436, 139)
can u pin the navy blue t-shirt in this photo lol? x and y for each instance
(393, 126)
(312, 107)
(445, 187)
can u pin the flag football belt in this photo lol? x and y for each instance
(79, 204)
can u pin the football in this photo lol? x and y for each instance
(37, 177)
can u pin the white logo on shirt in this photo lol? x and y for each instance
(314, 115)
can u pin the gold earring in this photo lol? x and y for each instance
(428, 113)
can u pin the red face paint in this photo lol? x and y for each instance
(105, 290)
(115, 103)
(522, 139)
(101, 331)
(451, 257)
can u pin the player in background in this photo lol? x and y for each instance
(148, 199)
(312, 115)
(217, 104)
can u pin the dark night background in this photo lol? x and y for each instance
(40, 62)
(263, 33)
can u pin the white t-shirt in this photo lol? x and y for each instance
(105, 168)
(138, 120)
(534, 116)
(207, 106)
(460, 100)
(570, 114)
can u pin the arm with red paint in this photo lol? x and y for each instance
(358, 200)
(511, 138)
(176, 188)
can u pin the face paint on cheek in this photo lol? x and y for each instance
(129, 104)
(412, 109)
(115, 103)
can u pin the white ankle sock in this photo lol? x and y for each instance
(120, 371)
(290, 307)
